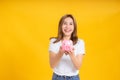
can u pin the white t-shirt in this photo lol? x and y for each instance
(65, 66)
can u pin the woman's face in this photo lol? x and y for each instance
(68, 26)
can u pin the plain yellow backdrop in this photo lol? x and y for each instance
(26, 26)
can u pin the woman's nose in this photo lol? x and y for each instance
(67, 26)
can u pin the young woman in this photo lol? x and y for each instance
(66, 64)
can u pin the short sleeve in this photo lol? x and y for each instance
(81, 47)
(52, 46)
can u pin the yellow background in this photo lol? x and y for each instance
(26, 26)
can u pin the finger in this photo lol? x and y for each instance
(66, 51)
(73, 49)
(60, 47)
(69, 52)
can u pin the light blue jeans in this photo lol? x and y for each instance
(57, 77)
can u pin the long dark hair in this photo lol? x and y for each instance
(74, 36)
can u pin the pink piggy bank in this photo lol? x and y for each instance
(67, 45)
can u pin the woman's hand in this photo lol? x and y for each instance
(62, 51)
(71, 52)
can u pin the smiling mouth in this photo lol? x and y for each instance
(67, 30)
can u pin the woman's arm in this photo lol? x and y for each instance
(55, 58)
(77, 60)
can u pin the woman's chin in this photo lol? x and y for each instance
(67, 34)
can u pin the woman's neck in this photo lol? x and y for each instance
(66, 38)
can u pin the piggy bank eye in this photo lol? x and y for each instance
(63, 43)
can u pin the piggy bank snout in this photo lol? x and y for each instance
(67, 45)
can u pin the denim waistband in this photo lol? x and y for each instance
(64, 75)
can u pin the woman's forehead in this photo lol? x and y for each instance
(68, 19)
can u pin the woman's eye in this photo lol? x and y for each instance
(65, 23)
(71, 23)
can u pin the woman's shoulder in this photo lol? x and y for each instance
(80, 40)
(52, 39)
